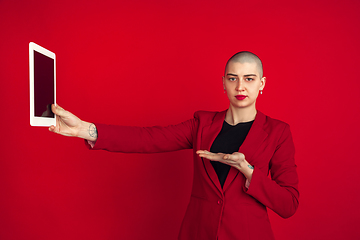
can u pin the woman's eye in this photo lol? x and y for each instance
(249, 79)
(232, 79)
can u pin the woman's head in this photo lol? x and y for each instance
(243, 79)
(248, 57)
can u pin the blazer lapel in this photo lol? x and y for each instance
(250, 146)
(208, 135)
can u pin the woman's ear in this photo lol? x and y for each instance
(263, 82)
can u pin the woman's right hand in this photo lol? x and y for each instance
(67, 124)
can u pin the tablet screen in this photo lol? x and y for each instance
(43, 85)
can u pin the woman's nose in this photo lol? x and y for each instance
(239, 85)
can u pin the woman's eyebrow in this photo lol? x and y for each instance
(246, 75)
(250, 75)
(232, 74)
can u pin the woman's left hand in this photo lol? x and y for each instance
(236, 160)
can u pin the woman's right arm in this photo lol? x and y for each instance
(125, 139)
(68, 124)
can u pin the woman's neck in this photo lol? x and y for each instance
(238, 115)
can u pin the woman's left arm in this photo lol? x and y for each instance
(280, 193)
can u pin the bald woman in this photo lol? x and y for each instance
(234, 151)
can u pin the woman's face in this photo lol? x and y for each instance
(242, 83)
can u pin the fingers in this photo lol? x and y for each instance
(56, 128)
(202, 152)
(209, 155)
(235, 159)
(52, 128)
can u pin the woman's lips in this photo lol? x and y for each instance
(240, 97)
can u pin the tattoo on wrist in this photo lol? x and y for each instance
(251, 167)
(93, 131)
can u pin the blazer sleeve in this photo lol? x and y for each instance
(127, 139)
(280, 193)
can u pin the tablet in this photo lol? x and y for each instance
(42, 85)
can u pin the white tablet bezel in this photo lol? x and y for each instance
(34, 120)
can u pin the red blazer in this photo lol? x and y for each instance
(233, 212)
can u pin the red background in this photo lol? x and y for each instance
(155, 63)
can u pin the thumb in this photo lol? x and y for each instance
(235, 156)
(57, 110)
(239, 155)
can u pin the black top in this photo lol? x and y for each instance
(229, 141)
